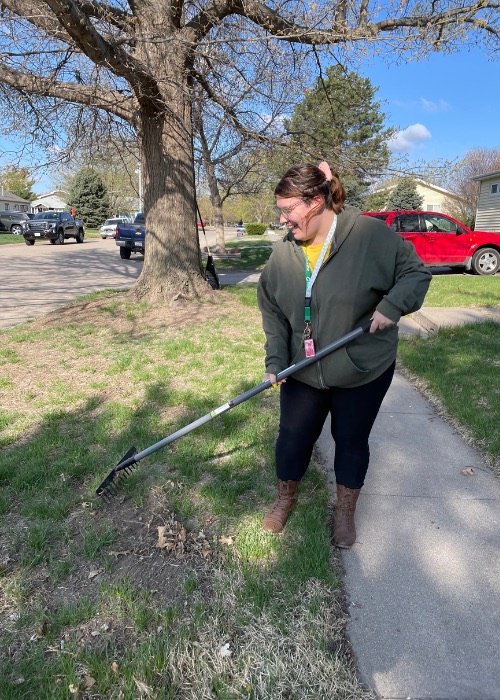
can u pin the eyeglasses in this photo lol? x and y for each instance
(285, 211)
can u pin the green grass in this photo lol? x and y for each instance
(85, 592)
(461, 367)
(255, 252)
(6, 238)
(463, 290)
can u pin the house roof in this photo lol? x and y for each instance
(424, 183)
(6, 196)
(495, 173)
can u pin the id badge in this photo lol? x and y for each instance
(309, 347)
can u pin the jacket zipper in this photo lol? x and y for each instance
(321, 380)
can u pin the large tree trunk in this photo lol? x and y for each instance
(216, 200)
(172, 263)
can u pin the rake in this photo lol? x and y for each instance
(125, 466)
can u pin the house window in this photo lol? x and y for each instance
(6, 206)
(495, 188)
(432, 207)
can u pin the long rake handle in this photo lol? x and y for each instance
(327, 350)
(253, 392)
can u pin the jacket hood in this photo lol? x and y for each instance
(345, 221)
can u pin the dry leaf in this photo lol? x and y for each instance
(226, 540)
(143, 688)
(89, 681)
(114, 667)
(225, 650)
(468, 471)
(162, 540)
(95, 572)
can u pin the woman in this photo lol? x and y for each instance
(334, 270)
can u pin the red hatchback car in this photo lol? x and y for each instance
(441, 240)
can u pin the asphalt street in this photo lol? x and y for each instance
(37, 279)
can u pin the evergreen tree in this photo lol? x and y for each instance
(89, 197)
(375, 201)
(17, 181)
(405, 196)
(340, 121)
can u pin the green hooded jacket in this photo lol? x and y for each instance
(370, 267)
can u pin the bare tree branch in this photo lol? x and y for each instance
(110, 101)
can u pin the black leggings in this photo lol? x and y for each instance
(303, 412)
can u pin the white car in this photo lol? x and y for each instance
(108, 229)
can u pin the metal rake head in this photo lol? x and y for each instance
(125, 466)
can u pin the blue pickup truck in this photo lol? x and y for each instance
(130, 238)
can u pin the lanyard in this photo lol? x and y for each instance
(311, 279)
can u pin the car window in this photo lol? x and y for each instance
(46, 216)
(406, 223)
(441, 224)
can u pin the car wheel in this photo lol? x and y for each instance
(60, 238)
(52, 241)
(28, 242)
(16, 229)
(79, 237)
(125, 253)
(486, 261)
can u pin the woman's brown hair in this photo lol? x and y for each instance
(306, 181)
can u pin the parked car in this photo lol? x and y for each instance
(441, 240)
(131, 238)
(108, 229)
(13, 221)
(55, 226)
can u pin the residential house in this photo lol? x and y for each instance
(434, 198)
(488, 205)
(52, 201)
(11, 202)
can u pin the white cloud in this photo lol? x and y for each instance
(433, 107)
(409, 139)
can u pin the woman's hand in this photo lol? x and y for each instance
(379, 322)
(272, 379)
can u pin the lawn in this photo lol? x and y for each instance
(7, 238)
(172, 590)
(460, 368)
(463, 290)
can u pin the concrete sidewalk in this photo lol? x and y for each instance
(422, 583)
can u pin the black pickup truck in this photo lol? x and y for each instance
(55, 226)
(130, 238)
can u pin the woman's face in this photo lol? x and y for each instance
(294, 213)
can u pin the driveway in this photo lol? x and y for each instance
(37, 279)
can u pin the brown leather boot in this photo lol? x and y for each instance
(344, 530)
(276, 517)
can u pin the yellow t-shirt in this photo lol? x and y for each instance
(312, 252)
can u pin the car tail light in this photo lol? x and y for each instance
(117, 233)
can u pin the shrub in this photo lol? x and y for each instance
(255, 228)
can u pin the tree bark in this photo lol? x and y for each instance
(172, 262)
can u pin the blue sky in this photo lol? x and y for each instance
(442, 106)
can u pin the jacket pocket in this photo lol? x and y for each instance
(339, 370)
